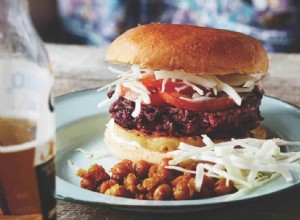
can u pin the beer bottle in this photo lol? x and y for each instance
(27, 129)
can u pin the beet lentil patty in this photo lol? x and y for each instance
(177, 122)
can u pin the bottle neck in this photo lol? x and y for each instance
(10, 10)
(18, 39)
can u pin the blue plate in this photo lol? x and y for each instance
(80, 124)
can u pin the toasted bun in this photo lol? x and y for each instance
(193, 49)
(135, 145)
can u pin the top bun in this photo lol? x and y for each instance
(193, 49)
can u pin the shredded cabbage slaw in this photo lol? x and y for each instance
(248, 162)
(231, 85)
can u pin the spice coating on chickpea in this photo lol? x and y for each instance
(121, 170)
(131, 179)
(119, 191)
(107, 185)
(184, 188)
(163, 192)
(93, 177)
(152, 182)
(141, 168)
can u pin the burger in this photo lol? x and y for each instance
(183, 82)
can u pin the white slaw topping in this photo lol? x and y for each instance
(248, 162)
(230, 84)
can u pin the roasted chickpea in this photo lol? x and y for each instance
(141, 168)
(153, 170)
(171, 173)
(121, 170)
(185, 177)
(152, 183)
(88, 184)
(181, 191)
(131, 179)
(133, 189)
(162, 192)
(93, 177)
(184, 189)
(221, 188)
(164, 162)
(82, 173)
(119, 191)
(98, 173)
(159, 170)
(95, 172)
(107, 185)
(192, 187)
(189, 165)
(165, 174)
(136, 192)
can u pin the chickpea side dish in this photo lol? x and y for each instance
(234, 167)
(143, 180)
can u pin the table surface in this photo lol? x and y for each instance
(83, 67)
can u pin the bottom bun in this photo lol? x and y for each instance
(135, 145)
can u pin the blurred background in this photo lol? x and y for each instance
(276, 23)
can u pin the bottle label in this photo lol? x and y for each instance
(27, 146)
(25, 93)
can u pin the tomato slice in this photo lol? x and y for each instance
(172, 97)
(213, 105)
(151, 83)
(155, 98)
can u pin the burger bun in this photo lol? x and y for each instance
(135, 145)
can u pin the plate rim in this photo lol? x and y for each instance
(162, 208)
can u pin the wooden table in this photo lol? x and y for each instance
(83, 67)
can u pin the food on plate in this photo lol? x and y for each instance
(143, 180)
(186, 118)
(184, 81)
(234, 167)
(192, 95)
